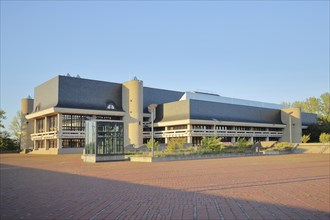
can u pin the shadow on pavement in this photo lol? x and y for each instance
(28, 193)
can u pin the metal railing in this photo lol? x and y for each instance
(58, 134)
(210, 132)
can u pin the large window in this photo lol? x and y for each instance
(104, 138)
(73, 122)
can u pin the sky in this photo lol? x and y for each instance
(270, 51)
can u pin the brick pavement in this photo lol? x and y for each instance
(264, 187)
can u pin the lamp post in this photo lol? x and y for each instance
(290, 122)
(152, 108)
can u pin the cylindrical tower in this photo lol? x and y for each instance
(26, 125)
(132, 94)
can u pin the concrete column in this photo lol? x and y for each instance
(293, 129)
(59, 122)
(251, 139)
(132, 101)
(233, 140)
(46, 143)
(46, 129)
(267, 138)
(34, 126)
(59, 143)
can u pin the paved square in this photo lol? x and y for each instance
(264, 187)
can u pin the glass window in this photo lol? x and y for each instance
(40, 125)
(104, 138)
(52, 123)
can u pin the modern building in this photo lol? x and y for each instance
(55, 118)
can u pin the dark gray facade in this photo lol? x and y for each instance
(88, 94)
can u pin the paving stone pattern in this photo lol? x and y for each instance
(262, 187)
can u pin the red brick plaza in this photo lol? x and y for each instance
(265, 187)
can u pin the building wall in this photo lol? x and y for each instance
(159, 96)
(132, 99)
(88, 94)
(296, 128)
(173, 111)
(46, 94)
(204, 110)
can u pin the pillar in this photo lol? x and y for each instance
(132, 101)
(293, 129)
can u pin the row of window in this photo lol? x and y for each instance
(69, 122)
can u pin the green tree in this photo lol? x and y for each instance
(305, 138)
(287, 104)
(2, 117)
(15, 126)
(312, 105)
(6, 143)
(325, 106)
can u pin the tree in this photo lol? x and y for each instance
(312, 105)
(15, 126)
(325, 106)
(286, 104)
(6, 143)
(2, 117)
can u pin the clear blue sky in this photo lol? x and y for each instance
(270, 51)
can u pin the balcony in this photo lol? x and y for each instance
(57, 134)
(210, 132)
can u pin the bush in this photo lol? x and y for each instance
(149, 145)
(325, 138)
(305, 138)
(212, 143)
(175, 144)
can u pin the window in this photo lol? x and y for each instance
(73, 143)
(110, 107)
(73, 122)
(40, 125)
(52, 123)
(52, 143)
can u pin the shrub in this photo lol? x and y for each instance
(324, 138)
(175, 144)
(149, 145)
(242, 143)
(212, 143)
(305, 138)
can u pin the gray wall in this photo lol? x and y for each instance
(46, 94)
(88, 94)
(228, 112)
(159, 96)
